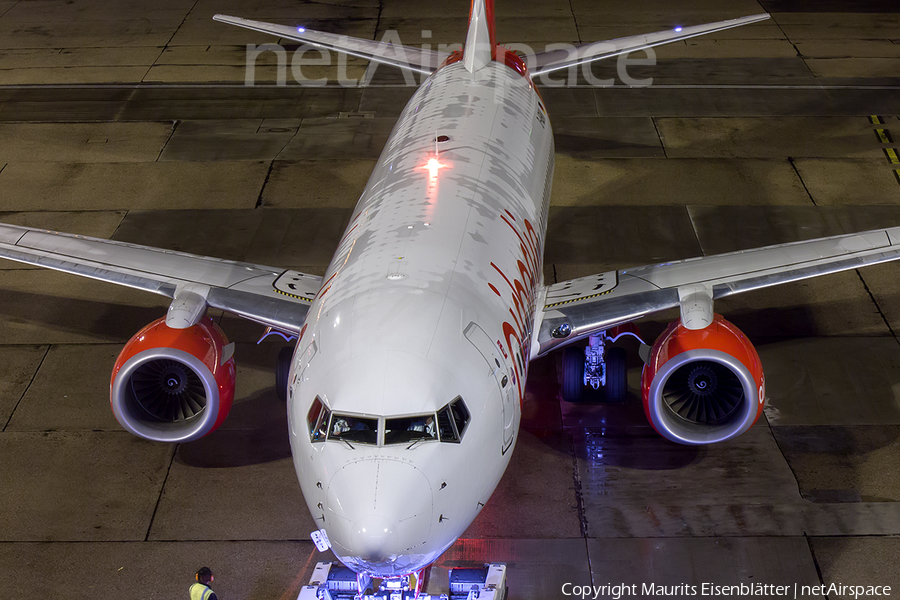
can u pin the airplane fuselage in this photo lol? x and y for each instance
(429, 300)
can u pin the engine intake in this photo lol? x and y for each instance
(703, 386)
(173, 385)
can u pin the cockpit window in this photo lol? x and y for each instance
(353, 429)
(317, 420)
(460, 415)
(409, 429)
(452, 421)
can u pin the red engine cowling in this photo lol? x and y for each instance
(172, 385)
(703, 386)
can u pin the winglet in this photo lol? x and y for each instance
(480, 42)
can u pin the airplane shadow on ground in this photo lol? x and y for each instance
(104, 320)
(255, 432)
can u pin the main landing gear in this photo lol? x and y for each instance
(282, 369)
(595, 365)
(332, 581)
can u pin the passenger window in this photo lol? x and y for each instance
(353, 429)
(453, 420)
(317, 421)
(409, 429)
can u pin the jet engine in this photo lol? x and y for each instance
(703, 386)
(174, 385)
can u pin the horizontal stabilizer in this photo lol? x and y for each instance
(555, 60)
(395, 55)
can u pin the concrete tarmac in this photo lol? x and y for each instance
(132, 122)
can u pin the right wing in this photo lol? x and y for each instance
(274, 297)
(575, 309)
(403, 57)
(555, 60)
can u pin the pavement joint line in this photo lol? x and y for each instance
(579, 491)
(124, 106)
(162, 490)
(119, 224)
(575, 20)
(812, 554)
(690, 215)
(262, 189)
(884, 318)
(180, 25)
(175, 124)
(291, 139)
(800, 177)
(378, 17)
(158, 56)
(596, 103)
(659, 136)
(27, 387)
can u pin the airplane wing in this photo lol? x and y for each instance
(268, 295)
(554, 60)
(396, 55)
(578, 308)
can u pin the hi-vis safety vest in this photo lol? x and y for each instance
(200, 592)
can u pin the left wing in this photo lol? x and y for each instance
(274, 297)
(404, 57)
(578, 308)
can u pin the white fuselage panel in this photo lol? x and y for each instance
(429, 297)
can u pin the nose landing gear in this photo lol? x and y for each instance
(331, 581)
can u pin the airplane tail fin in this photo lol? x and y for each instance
(480, 39)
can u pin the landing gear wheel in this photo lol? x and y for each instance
(616, 381)
(573, 374)
(282, 369)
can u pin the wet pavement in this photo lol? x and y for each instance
(134, 124)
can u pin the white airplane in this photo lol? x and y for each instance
(404, 390)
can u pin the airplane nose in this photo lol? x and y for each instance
(378, 512)
(372, 535)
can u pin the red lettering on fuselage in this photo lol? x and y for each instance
(522, 287)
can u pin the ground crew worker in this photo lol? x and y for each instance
(201, 589)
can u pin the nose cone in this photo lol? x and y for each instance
(378, 515)
(371, 536)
